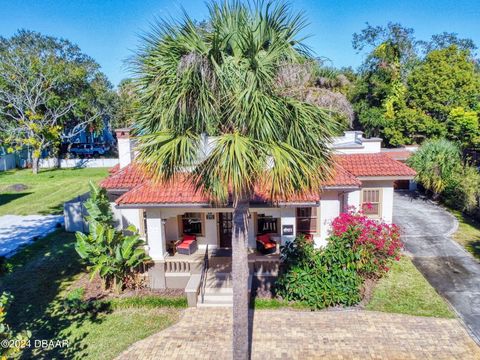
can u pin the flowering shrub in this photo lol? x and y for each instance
(319, 277)
(377, 243)
(358, 248)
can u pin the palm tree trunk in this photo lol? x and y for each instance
(240, 275)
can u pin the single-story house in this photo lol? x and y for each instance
(166, 214)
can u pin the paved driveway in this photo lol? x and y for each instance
(451, 270)
(18, 230)
(206, 334)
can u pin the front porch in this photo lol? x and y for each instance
(206, 275)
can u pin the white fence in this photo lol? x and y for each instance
(7, 162)
(78, 163)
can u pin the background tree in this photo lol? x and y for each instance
(221, 80)
(445, 80)
(380, 88)
(318, 85)
(126, 104)
(445, 40)
(49, 90)
(404, 98)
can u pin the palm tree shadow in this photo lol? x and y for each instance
(251, 316)
(37, 284)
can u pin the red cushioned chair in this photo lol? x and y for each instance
(188, 245)
(265, 244)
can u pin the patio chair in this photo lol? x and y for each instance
(265, 244)
(188, 245)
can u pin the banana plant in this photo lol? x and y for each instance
(108, 253)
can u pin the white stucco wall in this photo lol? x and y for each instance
(329, 210)
(353, 199)
(130, 217)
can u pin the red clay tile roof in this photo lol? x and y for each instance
(373, 165)
(114, 169)
(400, 155)
(178, 192)
(341, 177)
(347, 169)
(124, 179)
(183, 192)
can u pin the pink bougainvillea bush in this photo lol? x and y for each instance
(376, 243)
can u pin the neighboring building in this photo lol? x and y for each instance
(164, 213)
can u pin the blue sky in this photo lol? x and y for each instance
(108, 30)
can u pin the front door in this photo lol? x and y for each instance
(225, 228)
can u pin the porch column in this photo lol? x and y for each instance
(156, 235)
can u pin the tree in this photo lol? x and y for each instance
(380, 90)
(445, 80)
(445, 40)
(127, 104)
(463, 127)
(318, 85)
(436, 164)
(220, 81)
(49, 91)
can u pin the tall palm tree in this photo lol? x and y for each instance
(219, 79)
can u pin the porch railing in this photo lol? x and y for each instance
(177, 266)
(203, 278)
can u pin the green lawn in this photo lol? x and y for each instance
(404, 290)
(46, 192)
(468, 233)
(40, 282)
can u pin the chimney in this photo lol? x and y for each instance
(125, 147)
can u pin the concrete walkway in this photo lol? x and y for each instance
(206, 334)
(450, 269)
(16, 230)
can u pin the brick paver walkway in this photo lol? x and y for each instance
(206, 334)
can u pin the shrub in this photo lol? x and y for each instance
(440, 169)
(463, 191)
(358, 248)
(436, 163)
(319, 278)
(376, 242)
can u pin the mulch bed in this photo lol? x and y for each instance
(94, 290)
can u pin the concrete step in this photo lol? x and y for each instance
(219, 290)
(204, 305)
(220, 298)
(216, 300)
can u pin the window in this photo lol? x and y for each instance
(266, 224)
(192, 223)
(307, 220)
(371, 202)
